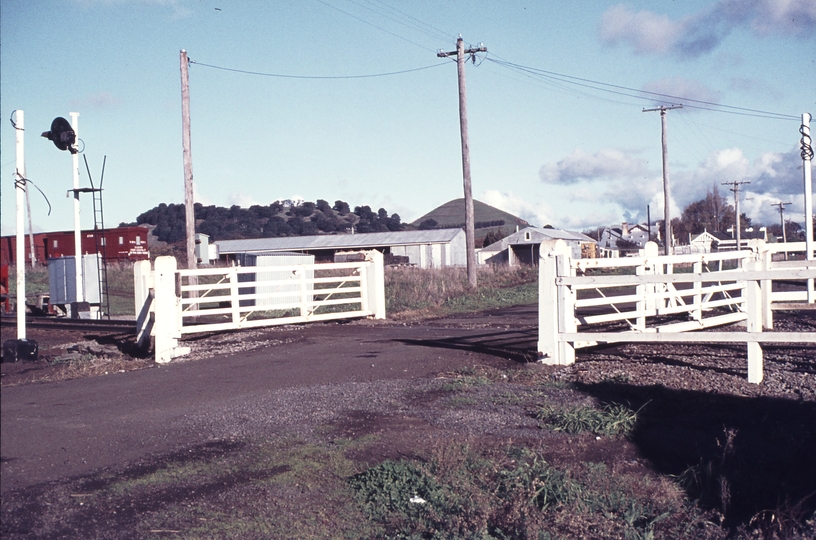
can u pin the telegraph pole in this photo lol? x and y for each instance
(460, 53)
(666, 191)
(189, 202)
(736, 189)
(781, 205)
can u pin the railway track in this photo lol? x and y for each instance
(83, 325)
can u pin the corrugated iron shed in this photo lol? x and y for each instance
(338, 241)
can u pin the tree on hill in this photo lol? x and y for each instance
(273, 220)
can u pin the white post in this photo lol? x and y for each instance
(549, 308)
(20, 189)
(143, 300)
(376, 283)
(807, 159)
(168, 307)
(754, 324)
(566, 305)
(80, 292)
(765, 285)
(235, 302)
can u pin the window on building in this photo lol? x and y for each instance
(527, 235)
(121, 240)
(138, 240)
(55, 244)
(102, 241)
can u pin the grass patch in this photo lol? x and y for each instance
(612, 420)
(447, 289)
(459, 493)
(120, 286)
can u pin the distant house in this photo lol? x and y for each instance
(702, 243)
(435, 248)
(522, 247)
(727, 242)
(635, 235)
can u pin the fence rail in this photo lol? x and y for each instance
(218, 299)
(649, 293)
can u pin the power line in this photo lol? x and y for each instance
(636, 93)
(283, 76)
(374, 25)
(408, 21)
(439, 32)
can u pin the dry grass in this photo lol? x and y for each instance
(415, 290)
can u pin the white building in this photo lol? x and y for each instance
(435, 248)
(522, 247)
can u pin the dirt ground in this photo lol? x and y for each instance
(89, 410)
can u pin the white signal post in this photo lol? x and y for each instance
(20, 189)
(80, 293)
(807, 159)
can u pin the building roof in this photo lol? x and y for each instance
(537, 235)
(338, 241)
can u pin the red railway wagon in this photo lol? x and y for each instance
(119, 244)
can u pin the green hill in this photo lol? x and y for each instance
(487, 218)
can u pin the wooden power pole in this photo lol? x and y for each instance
(189, 201)
(736, 189)
(666, 188)
(460, 53)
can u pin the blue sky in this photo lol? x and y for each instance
(549, 149)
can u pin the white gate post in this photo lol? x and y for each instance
(753, 323)
(143, 300)
(168, 311)
(235, 302)
(375, 283)
(766, 286)
(549, 309)
(648, 301)
(566, 304)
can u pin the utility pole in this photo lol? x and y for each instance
(460, 53)
(736, 189)
(781, 205)
(666, 191)
(189, 202)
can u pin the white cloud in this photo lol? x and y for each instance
(647, 32)
(606, 163)
(242, 200)
(594, 195)
(538, 214)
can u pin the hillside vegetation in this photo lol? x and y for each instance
(276, 219)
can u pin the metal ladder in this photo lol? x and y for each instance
(100, 240)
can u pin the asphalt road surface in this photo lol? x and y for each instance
(63, 429)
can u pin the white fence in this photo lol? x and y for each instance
(642, 298)
(172, 302)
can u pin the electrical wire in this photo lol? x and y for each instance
(374, 25)
(641, 94)
(406, 21)
(282, 76)
(438, 32)
(22, 182)
(13, 123)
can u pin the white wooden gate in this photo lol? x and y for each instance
(646, 293)
(232, 298)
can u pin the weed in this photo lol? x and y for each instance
(613, 419)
